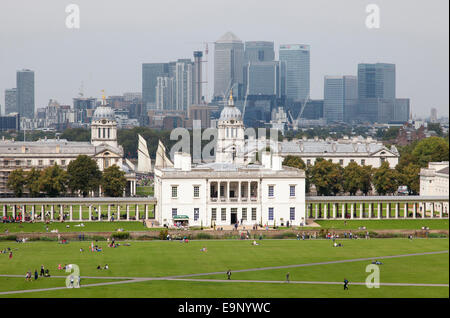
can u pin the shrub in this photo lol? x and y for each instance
(8, 238)
(120, 235)
(46, 238)
(163, 234)
(204, 236)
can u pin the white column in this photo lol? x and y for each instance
(388, 210)
(71, 212)
(128, 212)
(343, 211)
(228, 191)
(52, 210)
(146, 211)
(248, 192)
(424, 209)
(90, 213)
(334, 210)
(109, 212)
(118, 212)
(4, 210)
(99, 209)
(415, 210)
(432, 210)
(441, 210)
(14, 211)
(405, 210)
(61, 212)
(352, 210)
(361, 210)
(42, 213)
(369, 213)
(239, 191)
(80, 216)
(23, 213)
(317, 211)
(325, 210)
(397, 208)
(137, 212)
(380, 209)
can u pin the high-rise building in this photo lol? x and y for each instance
(84, 108)
(263, 78)
(184, 84)
(340, 98)
(259, 51)
(433, 115)
(228, 65)
(297, 60)
(376, 80)
(150, 71)
(165, 93)
(25, 93)
(198, 77)
(11, 101)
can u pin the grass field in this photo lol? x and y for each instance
(62, 227)
(168, 258)
(417, 224)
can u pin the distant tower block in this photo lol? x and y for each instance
(198, 77)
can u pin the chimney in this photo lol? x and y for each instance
(198, 77)
(265, 160)
(277, 162)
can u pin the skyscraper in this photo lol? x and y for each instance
(228, 65)
(25, 93)
(296, 57)
(184, 84)
(340, 98)
(263, 78)
(164, 93)
(259, 51)
(11, 101)
(376, 80)
(150, 71)
(198, 94)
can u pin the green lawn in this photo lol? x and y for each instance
(62, 227)
(19, 283)
(417, 224)
(164, 258)
(144, 191)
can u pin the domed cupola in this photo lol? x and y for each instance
(104, 125)
(230, 112)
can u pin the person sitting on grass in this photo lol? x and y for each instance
(106, 266)
(204, 249)
(47, 273)
(254, 243)
(377, 262)
(99, 267)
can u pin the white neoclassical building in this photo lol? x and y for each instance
(230, 190)
(434, 179)
(43, 153)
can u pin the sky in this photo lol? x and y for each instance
(116, 37)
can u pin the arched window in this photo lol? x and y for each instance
(109, 132)
(99, 135)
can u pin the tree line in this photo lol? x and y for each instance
(81, 177)
(333, 179)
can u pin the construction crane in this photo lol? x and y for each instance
(206, 50)
(295, 122)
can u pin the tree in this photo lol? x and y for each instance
(113, 181)
(32, 182)
(297, 162)
(385, 179)
(351, 178)
(365, 179)
(16, 182)
(430, 150)
(327, 177)
(409, 176)
(84, 175)
(53, 181)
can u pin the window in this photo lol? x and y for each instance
(41, 162)
(52, 162)
(271, 191)
(308, 162)
(213, 214)
(196, 191)
(270, 214)
(244, 214)
(6, 162)
(28, 162)
(222, 190)
(223, 214)
(17, 162)
(383, 159)
(63, 162)
(292, 190)
(351, 160)
(292, 214)
(174, 212)
(253, 214)
(196, 213)
(363, 162)
(174, 191)
(341, 162)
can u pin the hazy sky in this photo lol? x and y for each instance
(116, 37)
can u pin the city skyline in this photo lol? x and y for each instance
(59, 58)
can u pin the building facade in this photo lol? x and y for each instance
(340, 98)
(25, 93)
(229, 190)
(11, 101)
(434, 179)
(297, 60)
